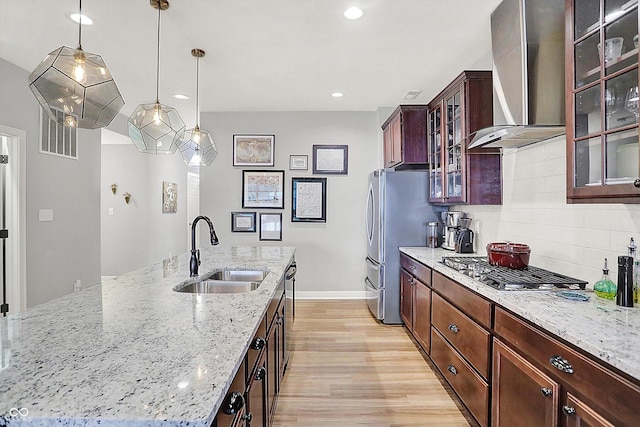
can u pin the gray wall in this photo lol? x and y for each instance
(139, 234)
(66, 249)
(330, 255)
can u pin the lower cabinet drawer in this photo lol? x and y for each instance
(472, 389)
(469, 338)
(595, 384)
(422, 272)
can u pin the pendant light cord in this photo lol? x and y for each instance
(158, 59)
(80, 28)
(197, 91)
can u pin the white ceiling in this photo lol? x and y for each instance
(263, 55)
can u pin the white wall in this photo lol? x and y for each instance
(330, 255)
(66, 249)
(569, 239)
(138, 233)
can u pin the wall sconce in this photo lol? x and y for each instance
(127, 197)
(114, 188)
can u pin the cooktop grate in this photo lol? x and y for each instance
(503, 278)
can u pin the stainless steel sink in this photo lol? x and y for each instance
(218, 287)
(238, 275)
(225, 281)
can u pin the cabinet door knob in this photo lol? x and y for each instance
(258, 343)
(260, 374)
(454, 328)
(452, 369)
(568, 410)
(234, 403)
(561, 364)
(546, 392)
(247, 417)
(636, 183)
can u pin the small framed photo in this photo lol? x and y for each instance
(298, 162)
(243, 222)
(309, 199)
(263, 189)
(253, 150)
(330, 159)
(270, 226)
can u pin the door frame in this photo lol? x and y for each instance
(16, 218)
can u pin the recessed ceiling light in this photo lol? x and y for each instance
(353, 13)
(412, 94)
(80, 19)
(337, 94)
(180, 96)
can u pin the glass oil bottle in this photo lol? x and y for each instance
(605, 288)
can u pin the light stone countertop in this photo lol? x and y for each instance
(598, 326)
(131, 351)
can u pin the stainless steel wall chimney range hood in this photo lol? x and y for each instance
(527, 39)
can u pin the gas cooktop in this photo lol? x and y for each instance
(508, 279)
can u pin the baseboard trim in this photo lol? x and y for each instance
(331, 294)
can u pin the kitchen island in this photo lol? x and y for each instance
(601, 328)
(132, 351)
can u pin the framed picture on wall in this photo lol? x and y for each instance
(270, 226)
(169, 197)
(330, 159)
(309, 199)
(253, 150)
(298, 162)
(263, 189)
(243, 222)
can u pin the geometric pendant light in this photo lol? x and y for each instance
(77, 84)
(156, 128)
(198, 148)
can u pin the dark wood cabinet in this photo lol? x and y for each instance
(415, 300)
(458, 175)
(602, 101)
(406, 299)
(589, 390)
(257, 394)
(232, 412)
(522, 394)
(405, 138)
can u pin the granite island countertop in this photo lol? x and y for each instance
(131, 351)
(598, 326)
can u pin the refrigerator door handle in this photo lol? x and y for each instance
(373, 265)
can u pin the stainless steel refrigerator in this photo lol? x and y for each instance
(398, 211)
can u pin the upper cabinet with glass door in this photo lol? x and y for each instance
(457, 176)
(602, 115)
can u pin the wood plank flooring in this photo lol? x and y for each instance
(347, 369)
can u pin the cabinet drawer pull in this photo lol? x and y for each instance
(258, 343)
(454, 328)
(412, 267)
(234, 403)
(568, 410)
(636, 183)
(452, 369)
(561, 364)
(546, 392)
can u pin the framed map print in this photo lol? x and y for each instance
(253, 150)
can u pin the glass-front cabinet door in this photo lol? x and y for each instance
(435, 154)
(603, 162)
(454, 148)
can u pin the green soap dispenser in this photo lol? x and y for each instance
(604, 287)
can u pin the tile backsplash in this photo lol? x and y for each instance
(569, 239)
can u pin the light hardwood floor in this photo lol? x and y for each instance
(347, 369)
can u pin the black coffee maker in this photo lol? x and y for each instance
(464, 241)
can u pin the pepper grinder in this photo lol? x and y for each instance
(624, 297)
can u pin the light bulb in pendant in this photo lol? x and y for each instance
(79, 71)
(70, 121)
(196, 135)
(156, 115)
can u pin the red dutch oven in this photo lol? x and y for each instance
(507, 254)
